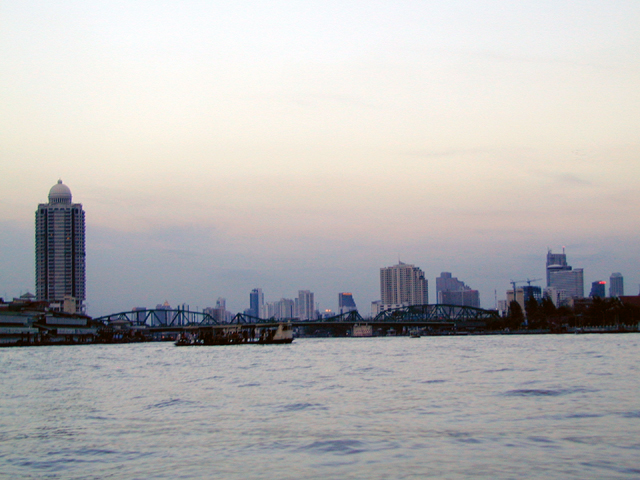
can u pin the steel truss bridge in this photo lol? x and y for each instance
(415, 315)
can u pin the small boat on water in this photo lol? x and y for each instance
(238, 335)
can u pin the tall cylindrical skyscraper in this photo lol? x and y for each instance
(60, 248)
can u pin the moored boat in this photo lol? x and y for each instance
(281, 333)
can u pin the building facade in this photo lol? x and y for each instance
(616, 285)
(284, 308)
(60, 249)
(598, 289)
(305, 305)
(256, 300)
(562, 277)
(532, 291)
(464, 298)
(571, 281)
(162, 314)
(403, 285)
(451, 291)
(558, 297)
(518, 297)
(556, 262)
(346, 303)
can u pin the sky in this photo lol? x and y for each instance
(220, 146)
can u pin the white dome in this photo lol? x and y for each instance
(59, 193)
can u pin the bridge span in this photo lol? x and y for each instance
(426, 316)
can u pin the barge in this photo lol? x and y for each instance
(281, 333)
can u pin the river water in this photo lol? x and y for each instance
(500, 407)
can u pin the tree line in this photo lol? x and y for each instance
(544, 315)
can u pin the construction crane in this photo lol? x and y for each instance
(513, 283)
(528, 281)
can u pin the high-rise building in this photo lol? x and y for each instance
(280, 310)
(532, 291)
(403, 285)
(60, 248)
(346, 303)
(558, 297)
(465, 298)
(451, 291)
(446, 283)
(556, 262)
(284, 308)
(562, 276)
(267, 310)
(616, 285)
(256, 300)
(518, 297)
(140, 315)
(571, 281)
(376, 307)
(597, 289)
(219, 312)
(162, 314)
(305, 305)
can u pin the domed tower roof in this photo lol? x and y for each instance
(59, 193)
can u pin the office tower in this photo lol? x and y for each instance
(561, 276)
(464, 298)
(284, 308)
(305, 305)
(532, 291)
(162, 314)
(451, 291)
(446, 283)
(616, 285)
(376, 307)
(556, 262)
(571, 281)
(597, 289)
(280, 310)
(267, 310)
(219, 312)
(140, 315)
(518, 297)
(346, 303)
(403, 285)
(558, 297)
(256, 300)
(60, 248)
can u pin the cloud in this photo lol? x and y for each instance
(563, 178)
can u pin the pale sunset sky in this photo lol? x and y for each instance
(220, 146)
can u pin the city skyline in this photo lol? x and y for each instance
(222, 147)
(552, 258)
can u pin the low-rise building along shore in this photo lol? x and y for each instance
(25, 321)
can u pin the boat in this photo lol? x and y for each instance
(359, 330)
(282, 333)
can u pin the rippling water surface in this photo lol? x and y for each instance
(435, 407)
